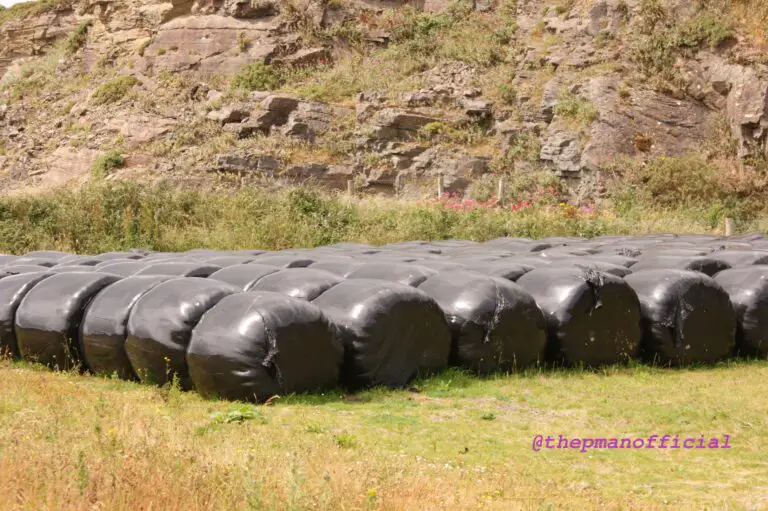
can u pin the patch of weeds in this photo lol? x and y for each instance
(665, 41)
(144, 45)
(315, 429)
(239, 415)
(78, 38)
(490, 416)
(114, 90)
(524, 146)
(258, 76)
(161, 52)
(346, 440)
(243, 43)
(564, 8)
(507, 93)
(570, 106)
(105, 164)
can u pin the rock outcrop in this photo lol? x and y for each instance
(558, 89)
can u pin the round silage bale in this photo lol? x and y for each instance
(224, 261)
(303, 283)
(741, 258)
(48, 318)
(594, 264)
(593, 318)
(706, 265)
(123, 268)
(339, 266)
(72, 268)
(12, 290)
(104, 327)
(687, 316)
(403, 273)
(252, 346)
(495, 324)
(178, 269)
(243, 276)
(24, 268)
(47, 254)
(390, 331)
(160, 326)
(748, 290)
(280, 260)
(508, 270)
(35, 261)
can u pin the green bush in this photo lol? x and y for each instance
(657, 51)
(105, 164)
(692, 183)
(79, 37)
(114, 90)
(258, 76)
(573, 107)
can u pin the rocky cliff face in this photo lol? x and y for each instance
(387, 93)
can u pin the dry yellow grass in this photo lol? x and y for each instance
(76, 442)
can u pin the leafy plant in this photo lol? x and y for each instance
(79, 37)
(258, 76)
(105, 164)
(114, 90)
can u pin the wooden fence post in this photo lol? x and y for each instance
(350, 188)
(729, 226)
(440, 187)
(500, 193)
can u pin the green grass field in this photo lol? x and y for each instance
(452, 442)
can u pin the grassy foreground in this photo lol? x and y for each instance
(117, 215)
(77, 442)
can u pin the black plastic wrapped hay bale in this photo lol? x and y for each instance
(593, 318)
(280, 260)
(12, 290)
(123, 268)
(440, 264)
(594, 264)
(160, 326)
(252, 346)
(402, 273)
(687, 317)
(495, 324)
(503, 269)
(104, 327)
(47, 254)
(618, 259)
(303, 283)
(748, 290)
(72, 268)
(243, 276)
(340, 268)
(706, 265)
(224, 261)
(390, 331)
(35, 261)
(48, 318)
(24, 268)
(178, 269)
(741, 258)
(79, 260)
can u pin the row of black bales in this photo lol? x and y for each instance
(251, 324)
